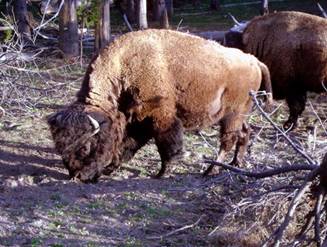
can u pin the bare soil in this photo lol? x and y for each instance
(40, 206)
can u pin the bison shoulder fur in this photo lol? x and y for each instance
(156, 84)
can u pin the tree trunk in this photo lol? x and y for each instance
(164, 23)
(131, 11)
(264, 7)
(68, 30)
(20, 12)
(214, 4)
(170, 8)
(142, 20)
(161, 13)
(103, 25)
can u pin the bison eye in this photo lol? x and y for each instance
(84, 151)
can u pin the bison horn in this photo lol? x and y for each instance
(81, 140)
(95, 124)
(234, 19)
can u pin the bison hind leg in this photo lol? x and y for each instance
(241, 145)
(296, 103)
(228, 141)
(233, 131)
(170, 145)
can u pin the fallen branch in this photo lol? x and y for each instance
(288, 139)
(279, 233)
(265, 173)
(177, 230)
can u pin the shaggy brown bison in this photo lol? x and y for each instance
(294, 47)
(154, 84)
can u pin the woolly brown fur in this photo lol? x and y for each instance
(294, 47)
(156, 84)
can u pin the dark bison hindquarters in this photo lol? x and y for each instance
(294, 47)
(156, 84)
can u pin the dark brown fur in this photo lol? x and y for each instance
(294, 47)
(156, 84)
(323, 172)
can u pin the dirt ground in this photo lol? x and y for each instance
(40, 206)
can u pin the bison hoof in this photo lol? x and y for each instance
(210, 171)
(236, 163)
(289, 125)
(157, 176)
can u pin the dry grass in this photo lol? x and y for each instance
(40, 207)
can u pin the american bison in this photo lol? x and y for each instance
(294, 47)
(154, 84)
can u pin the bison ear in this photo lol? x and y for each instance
(54, 118)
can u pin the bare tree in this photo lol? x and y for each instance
(164, 23)
(142, 19)
(21, 18)
(170, 8)
(68, 30)
(103, 25)
(131, 10)
(264, 7)
(161, 13)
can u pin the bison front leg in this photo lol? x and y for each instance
(296, 103)
(170, 144)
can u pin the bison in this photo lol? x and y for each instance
(156, 84)
(294, 47)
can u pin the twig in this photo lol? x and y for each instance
(211, 146)
(127, 23)
(48, 21)
(317, 116)
(2, 112)
(301, 236)
(177, 230)
(323, 12)
(278, 235)
(299, 150)
(179, 24)
(265, 173)
(320, 198)
(324, 86)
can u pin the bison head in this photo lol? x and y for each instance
(87, 139)
(233, 38)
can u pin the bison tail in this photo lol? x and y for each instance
(266, 83)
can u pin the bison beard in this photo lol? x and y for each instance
(147, 85)
(293, 45)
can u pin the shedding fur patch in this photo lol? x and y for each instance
(215, 106)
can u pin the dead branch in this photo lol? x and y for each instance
(317, 116)
(289, 140)
(265, 173)
(127, 23)
(177, 230)
(320, 198)
(323, 12)
(2, 112)
(179, 24)
(277, 236)
(36, 30)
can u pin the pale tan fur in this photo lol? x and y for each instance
(159, 82)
